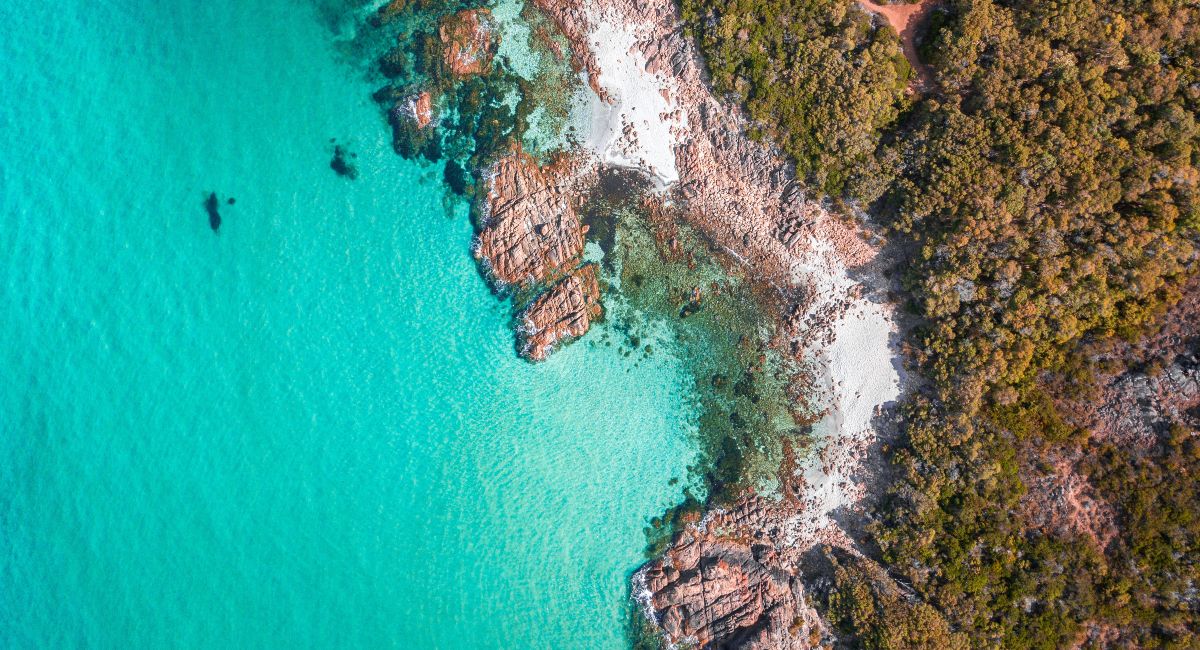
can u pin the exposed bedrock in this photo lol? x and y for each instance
(531, 233)
(469, 42)
(725, 584)
(563, 313)
(531, 237)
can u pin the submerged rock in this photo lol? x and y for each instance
(564, 312)
(388, 12)
(341, 163)
(214, 214)
(411, 118)
(469, 42)
(531, 233)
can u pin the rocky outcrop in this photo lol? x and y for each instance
(728, 583)
(531, 233)
(1153, 383)
(563, 313)
(531, 237)
(411, 117)
(420, 108)
(469, 42)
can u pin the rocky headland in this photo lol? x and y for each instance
(724, 583)
(736, 577)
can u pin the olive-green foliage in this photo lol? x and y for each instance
(1157, 491)
(868, 606)
(1049, 191)
(817, 77)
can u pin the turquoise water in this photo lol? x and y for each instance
(310, 430)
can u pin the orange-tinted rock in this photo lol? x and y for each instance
(726, 584)
(421, 107)
(411, 116)
(469, 41)
(531, 232)
(564, 312)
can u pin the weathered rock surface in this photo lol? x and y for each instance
(727, 583)
(531, 232)
(420, 108)
(563, 313)
(411, 118)
(1156, 384)
(469, 42)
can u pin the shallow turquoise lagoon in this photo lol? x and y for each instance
(310, 430)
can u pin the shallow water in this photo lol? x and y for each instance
(310, 429)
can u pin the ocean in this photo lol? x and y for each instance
(311, 428)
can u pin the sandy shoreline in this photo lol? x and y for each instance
(653, 111)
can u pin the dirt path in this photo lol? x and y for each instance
(905, 19)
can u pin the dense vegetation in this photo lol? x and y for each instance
(1045, 190)
(817, 77)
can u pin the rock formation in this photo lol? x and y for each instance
(411, 118)
(531, 233)
(469, 41)
(726, 584)
(564, 312)
(420, 108)
(531, 237)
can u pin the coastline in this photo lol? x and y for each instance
(825, 352)
(835, 323)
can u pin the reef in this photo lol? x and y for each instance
(214, 214)
(341, 163)
(469, 42)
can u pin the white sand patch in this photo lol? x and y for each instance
(638, 128)
(859, 377)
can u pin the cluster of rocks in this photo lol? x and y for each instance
(1138, 407)
(531, 237)
(729, 582)
(469, 42)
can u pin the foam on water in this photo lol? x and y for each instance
(310, 430)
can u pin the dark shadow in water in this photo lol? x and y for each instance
(214, 214)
